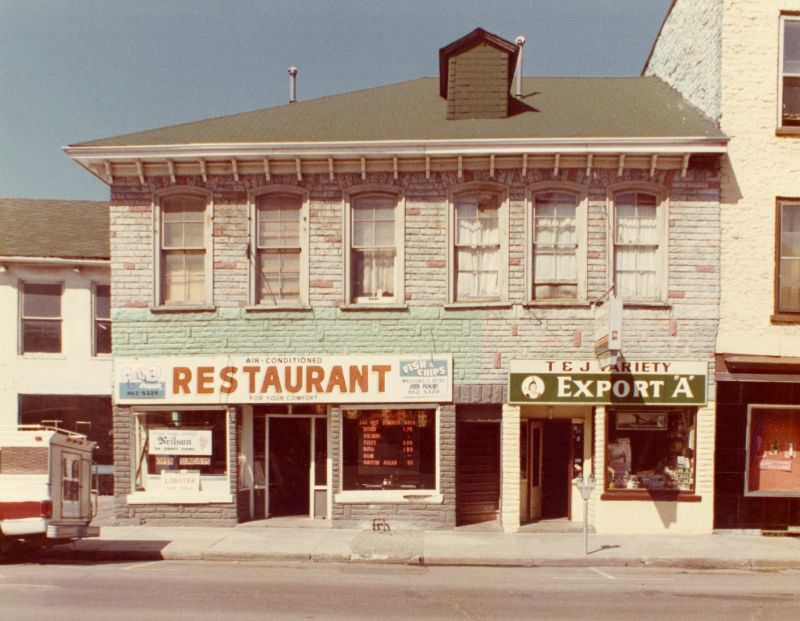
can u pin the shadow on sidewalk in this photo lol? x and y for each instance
(97, 551)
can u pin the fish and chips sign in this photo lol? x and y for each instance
(278, 379)
(636, 382)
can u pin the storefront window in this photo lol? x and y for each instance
(172, 443)
(389, 449)
(651, 450)
(773, 465)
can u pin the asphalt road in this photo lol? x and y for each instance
(204, 590)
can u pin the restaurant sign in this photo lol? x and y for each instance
(629, 382)
(411, 378)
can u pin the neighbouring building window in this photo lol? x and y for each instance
(790, 72)
(183, 250)
(773, 467)
(373, 251)
(176, 450)
(102, 319)
(555, 246)
(651, 450)
(637, 246)
(279, 249)
(389, 449)
(41, 318)
(478, 256)
(788, 259)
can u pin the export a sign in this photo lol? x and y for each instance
(642, 382)
(289, 378)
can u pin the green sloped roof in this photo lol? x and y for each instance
(555, 107)
(54, 228)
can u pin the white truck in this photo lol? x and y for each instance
(45, 486)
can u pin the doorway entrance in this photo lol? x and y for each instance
(545, 469)
(289, 466)
(290, 455)
(477, 472)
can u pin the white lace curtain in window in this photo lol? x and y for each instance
(477, 247)
(636, 246)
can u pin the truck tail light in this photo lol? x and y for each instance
(46, 509)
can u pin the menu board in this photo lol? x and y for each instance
(389, 439)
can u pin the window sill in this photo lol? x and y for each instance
(785, 318)
(199, 498)
(787, 130)
(386, 496)
(41, 355)
(558, 304)
(647, 305)
(477, 304)
(366, 306)
(189, 308)
(651, 495)
(262, 308)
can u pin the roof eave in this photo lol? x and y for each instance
(400, 148)
(54, 261)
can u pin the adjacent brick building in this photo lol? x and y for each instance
(317, 306)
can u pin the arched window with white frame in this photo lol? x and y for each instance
(639, 242)
(279, 249)
(183, 250)
(478, 247)
(555, 245)
(374, 236)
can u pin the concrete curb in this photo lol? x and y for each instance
(134, 555)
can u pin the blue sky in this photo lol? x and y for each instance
(73, 70)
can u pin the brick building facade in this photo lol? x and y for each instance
(499, 252)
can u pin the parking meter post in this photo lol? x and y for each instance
(585, 487)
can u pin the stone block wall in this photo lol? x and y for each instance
(687, 54)
(482, 340)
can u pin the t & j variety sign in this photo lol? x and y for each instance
(632, 382)
(276, 379)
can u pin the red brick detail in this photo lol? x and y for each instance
(322, 284)
(498, 360)
(413, 211)
(136, 304)
(435, 263)
(139, 208)
(708, 269)
(515, 262)
(130, 266)
(514, 330)
(594, 254)
(677, 295)
(673, 327)
(577, 340)
(225, 265)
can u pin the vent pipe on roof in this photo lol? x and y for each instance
(520, 41)
(292, 84)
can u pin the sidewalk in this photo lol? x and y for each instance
(449, 547)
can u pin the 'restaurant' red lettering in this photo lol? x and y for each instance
(181, 376)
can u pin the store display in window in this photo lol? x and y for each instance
(172, 443)
(651, 450)
(774, 466)
(389, 449)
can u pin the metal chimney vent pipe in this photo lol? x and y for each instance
(520, 41)
(292, 84)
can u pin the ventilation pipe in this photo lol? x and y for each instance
(520, 41)
(292, 84)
